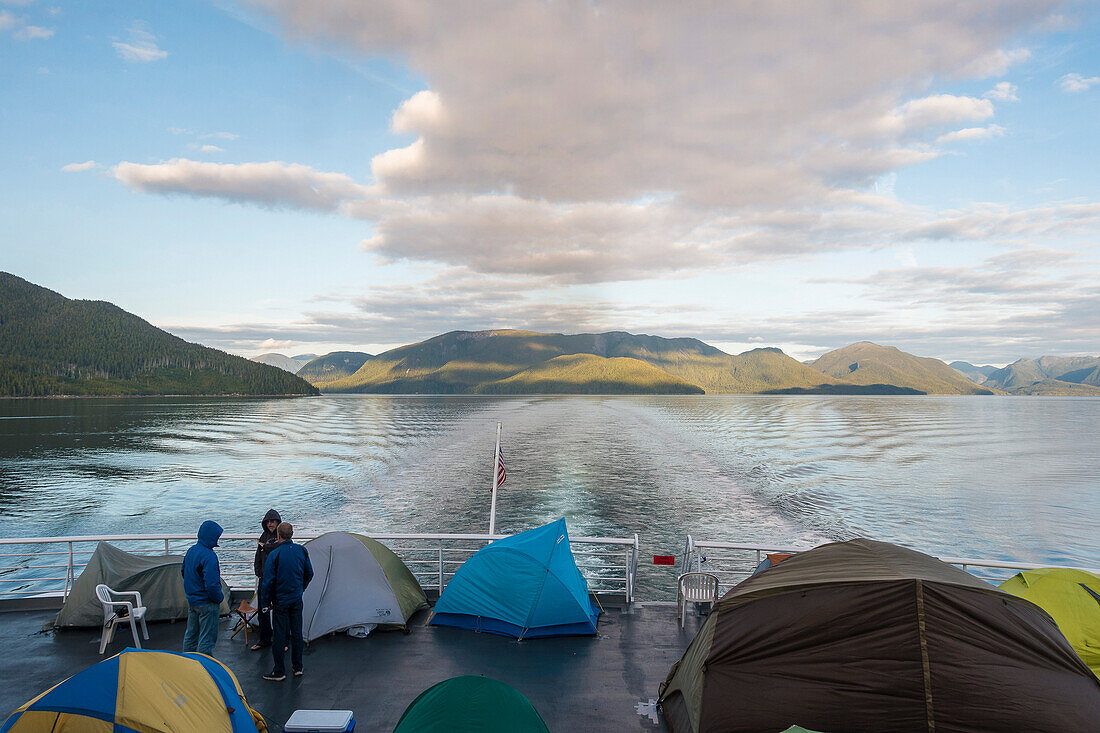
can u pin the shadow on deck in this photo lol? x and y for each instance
(576, 683)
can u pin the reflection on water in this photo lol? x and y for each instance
(993, 477)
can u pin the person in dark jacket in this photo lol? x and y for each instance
(268, 539)
(202, 582)
(287, 572)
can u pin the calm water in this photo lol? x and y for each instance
(1011, 478)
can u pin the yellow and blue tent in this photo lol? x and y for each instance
(139, 691)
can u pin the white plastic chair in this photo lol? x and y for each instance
(134, 612)
(695, 588)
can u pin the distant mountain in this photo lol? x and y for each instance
(976, 374)
(868, 363)
(50, 345)
(482, 361)
(333, 366)
(287, 363)
(1050, 375)
(590, 374)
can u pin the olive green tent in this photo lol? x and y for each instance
(1072, 598)
(865, 635)
(470, 704)
(156, 577)
(357, 581)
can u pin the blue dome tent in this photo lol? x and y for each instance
(525, 586)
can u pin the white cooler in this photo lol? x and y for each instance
(320, 721)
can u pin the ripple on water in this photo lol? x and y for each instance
(1011, 478)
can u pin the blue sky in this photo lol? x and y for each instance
(292, 177)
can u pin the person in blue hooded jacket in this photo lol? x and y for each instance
(287, 572)
(202, 582)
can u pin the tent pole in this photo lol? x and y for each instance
(496, 469)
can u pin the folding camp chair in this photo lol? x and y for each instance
(695, 588)
(245, 614)
(128, 612)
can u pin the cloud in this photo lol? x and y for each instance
(1003, 92)
(78, 167)
(1025, 302)
(219, 136)
(20, 29)
(273, 185)
(994, 63)
(274, 344)
(210, 149)
(937, 111)
(971, 134)
(594, 143)
(1073, 83)
(141, 46)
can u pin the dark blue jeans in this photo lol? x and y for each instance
(202, 628)
(287, 625)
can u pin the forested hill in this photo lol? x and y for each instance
(616, 362)
(50, 345)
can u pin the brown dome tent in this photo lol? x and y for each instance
(868, 636)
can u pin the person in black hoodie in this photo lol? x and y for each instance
(267, 542)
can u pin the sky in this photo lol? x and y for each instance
(293, 177)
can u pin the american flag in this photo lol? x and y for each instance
(501, 473)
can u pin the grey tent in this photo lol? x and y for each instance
(156, 577)
(865, 635)
(357, 581)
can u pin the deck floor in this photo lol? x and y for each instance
(576, 683)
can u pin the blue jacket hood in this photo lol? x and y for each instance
(209, 533)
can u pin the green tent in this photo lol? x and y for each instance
(470, 704)
(1072, 598)
(156, 577)
(357, 581)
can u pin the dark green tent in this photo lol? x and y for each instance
(470, 704)
(156, 577)
(865, 635)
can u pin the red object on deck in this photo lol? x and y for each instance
(664, 559)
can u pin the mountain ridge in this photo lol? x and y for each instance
(481, 362)
(53, 346)
(1049, 375)
(868, 363)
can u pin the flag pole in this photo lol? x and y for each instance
(496, 474)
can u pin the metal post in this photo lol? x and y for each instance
(496, 470)
(69, 573)
(440, 566)
(165, 545)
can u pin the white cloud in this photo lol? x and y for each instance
(210, 149)
(78, 167)
(422, 111)
(937, 111)
(634, 101)
(994, 63)
(33, 32)
(274, 344)
(141, 46)
(971, 134)
(20, 29)
(1072, 83)
(274, 185)
(1003, 92)
(600, 142)
(219, 136)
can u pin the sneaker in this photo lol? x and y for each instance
(274, 677)
(299, 672)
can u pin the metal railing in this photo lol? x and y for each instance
(732, 562)
(48, 566)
